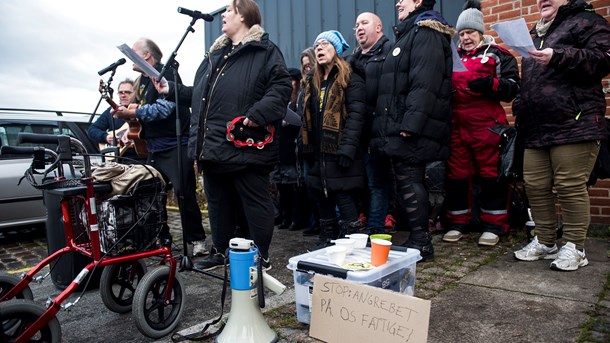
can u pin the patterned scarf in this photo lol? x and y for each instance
(334, 114)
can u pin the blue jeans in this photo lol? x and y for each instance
(379, 191)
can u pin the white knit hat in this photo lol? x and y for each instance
(471, 17)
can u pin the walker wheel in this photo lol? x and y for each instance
(21, 314)
(118, 284)
(154, 316)
(7, 282)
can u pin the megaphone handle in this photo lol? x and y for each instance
(259, 284)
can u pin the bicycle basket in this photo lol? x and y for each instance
(130, 223)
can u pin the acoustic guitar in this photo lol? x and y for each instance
(128, 135)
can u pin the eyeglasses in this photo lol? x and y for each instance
(360, 24)
(322, 43)
(125, 92)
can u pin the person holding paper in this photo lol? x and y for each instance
(560, 116)
(333, 118)
(158, 119)
(492, 76)
(242, 80)
(413, 114)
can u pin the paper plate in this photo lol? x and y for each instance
(357, 266)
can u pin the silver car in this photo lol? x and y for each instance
(22, 204)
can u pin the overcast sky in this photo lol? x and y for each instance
(51, 50)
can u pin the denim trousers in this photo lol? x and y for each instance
(379, 191)
(342, 202)
(566, 169)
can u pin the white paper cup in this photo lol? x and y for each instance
(346, 242)
(336, 254)
(360, 240)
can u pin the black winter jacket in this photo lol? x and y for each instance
(415, 91)
(371, 63)
(253, 81)
(563, 102)
(324, 171)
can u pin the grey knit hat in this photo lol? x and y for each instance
(471, 17)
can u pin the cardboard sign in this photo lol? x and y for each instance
(344, 311)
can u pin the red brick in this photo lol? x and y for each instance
(598, 192)
(502, 8)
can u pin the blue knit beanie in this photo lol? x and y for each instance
(335, 38)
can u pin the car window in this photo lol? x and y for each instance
(10, 131)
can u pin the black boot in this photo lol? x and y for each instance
(329, 230)
(422, 241)
(349, 228)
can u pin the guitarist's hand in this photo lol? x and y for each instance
(123, 113)
(162, 87)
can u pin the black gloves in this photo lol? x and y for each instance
(481, 85)
(344, 161)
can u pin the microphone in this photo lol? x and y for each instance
(113, 66)
(196, 14)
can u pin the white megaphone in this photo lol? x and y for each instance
(246, 323)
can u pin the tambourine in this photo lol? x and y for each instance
(242, 135)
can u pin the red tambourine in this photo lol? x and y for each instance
(242, 135)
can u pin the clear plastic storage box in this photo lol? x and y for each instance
(398, 274)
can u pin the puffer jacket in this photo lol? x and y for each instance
(563, 102)
(415, 91)
(252, 81)
(371, 63)
(475, 110)
(324, 171)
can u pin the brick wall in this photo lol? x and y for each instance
(502, 10)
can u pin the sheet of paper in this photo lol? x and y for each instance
(458, 65)
(516, 35)
(149, 70)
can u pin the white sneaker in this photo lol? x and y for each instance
(535, 251)
(452, 236)
(569, 258)
(489, 239)
(199, 249)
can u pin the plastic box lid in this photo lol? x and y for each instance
(317, 262)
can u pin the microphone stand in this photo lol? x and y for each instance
(185, 263)
(172, 57)
(109, 92)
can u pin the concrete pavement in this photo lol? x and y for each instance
(477, 294)
(482, 294)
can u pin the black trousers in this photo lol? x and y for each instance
(166, 162)
(246, 190)
(411, 191)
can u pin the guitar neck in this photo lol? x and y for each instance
(112, 103)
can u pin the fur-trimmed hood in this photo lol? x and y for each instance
(254, 35)
(425, 18)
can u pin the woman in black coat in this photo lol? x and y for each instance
(413, 115)
(244, 74)
(334, 112)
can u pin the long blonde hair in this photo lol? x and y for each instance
(343, 75)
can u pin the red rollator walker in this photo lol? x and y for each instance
(156, 297)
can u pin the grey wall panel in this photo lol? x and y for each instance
(294, 24)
